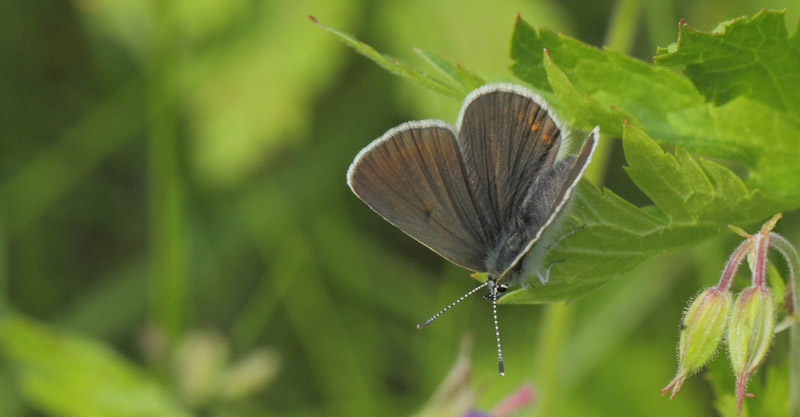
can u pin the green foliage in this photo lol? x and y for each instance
(693, 198)
(398, 68)
(467, 79)
(67, 375)
(769, 388)
(754, 58)
(252, 115)
(668, 106)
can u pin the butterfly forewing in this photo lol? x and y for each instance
(507, 136)
(414, 178)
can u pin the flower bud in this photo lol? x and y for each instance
(703, 326)
(750, 333)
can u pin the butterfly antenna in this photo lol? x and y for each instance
(435, 316)
(497, 334)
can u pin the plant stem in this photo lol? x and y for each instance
(782, 245)
(622, 27)
(660, 23)
(4, 302)
(620, 37)
(557, 319)
(167, 252)
(732, 265)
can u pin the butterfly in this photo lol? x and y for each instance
(480, 194)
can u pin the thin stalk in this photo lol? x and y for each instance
(557, 321)
(623, 25)
(4, 303)
(659, 22)
(620, 37)
(782, 245)
(166, 200)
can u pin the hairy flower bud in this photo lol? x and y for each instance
(703, 326)
(750, 333)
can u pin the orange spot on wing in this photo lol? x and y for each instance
(547, 139)
(535, 126)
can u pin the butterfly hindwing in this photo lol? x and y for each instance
(550, 194)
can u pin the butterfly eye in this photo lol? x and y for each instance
(502, 288)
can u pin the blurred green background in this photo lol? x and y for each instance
(173, 202)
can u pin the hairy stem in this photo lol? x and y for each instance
(782, 245)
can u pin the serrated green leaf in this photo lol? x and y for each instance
(442, 65)
(754, 58)
(526, 52)
(393, 65)
(586, 112)
(469, 78)
(695, 199)
(466, 78)
(669, 108)
(66, 375)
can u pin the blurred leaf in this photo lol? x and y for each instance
(667, 106)
(769, 386)
(754, 58)
(454, 397)
(720, 377)
(58, 168)
(694, 200)
(250, 374)
(10, 403)
(239, 116)
(67, 375)
(471, 35)
(393, 65)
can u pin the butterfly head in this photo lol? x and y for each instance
(495, 289)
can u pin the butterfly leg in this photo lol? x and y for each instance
(571, 232)
(546, 277)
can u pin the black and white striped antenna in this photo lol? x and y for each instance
(497, 332)
(460, 299)
(493, 293)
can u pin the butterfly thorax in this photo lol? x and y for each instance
(509, 245)
(532, 215)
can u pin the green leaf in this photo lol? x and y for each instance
(469, 78)
(694, 200)
(66, 375)
(465, 78)
(526, 52)
(754, 58)
(586, 112)
(393, 65)
(690, 190)
(667, 106)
